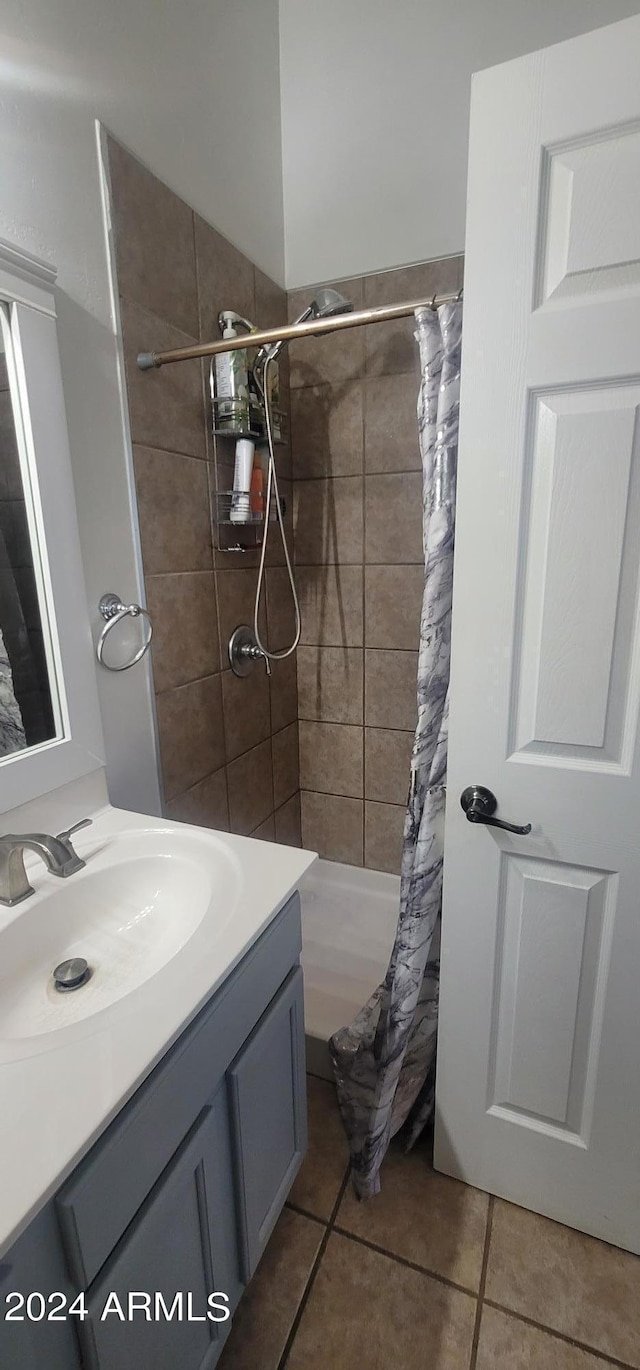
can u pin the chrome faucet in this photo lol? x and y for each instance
(56, 852)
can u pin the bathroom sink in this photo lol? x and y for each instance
(140, 900)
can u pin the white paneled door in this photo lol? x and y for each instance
(538, 1095)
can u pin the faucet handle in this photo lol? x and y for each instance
(75, 862)
(84, 823)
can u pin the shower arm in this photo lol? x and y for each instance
(314, 327)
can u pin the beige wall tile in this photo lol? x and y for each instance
(328, 521)
(281, 621)
(391, 347)
(390, 689)
(185, 627)
(331, 605)
(565, 1280)
(286, 770)
(225, 279)
(391, 423)
(166, 407)
(332, 826)
(265, 1314)
(393, 518)
(205, 804)
(284, 693)
(275, 551)
(317, 1184)
(190, 733)
(333, 359)
(387, 765)
(393, 605)
(427, 1218)
(404, 1318)
(265, 832)
(331, 684)
(236, 599)
(250, 784)
(383, 829)
(288, 823)
(153, 233)
(506, 1341)
(327, 430)
(245, 703)
(331, 758)
(173, 509)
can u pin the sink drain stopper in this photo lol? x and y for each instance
(71, 974)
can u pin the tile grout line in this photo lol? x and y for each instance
(560, 1336)
(313, 1272)
(483, 1284)
(405, 1262)
(479, 1295)
(305, 1213)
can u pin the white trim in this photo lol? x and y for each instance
(26, 279)
(36, 385)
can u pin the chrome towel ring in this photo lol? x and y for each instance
(113, 611)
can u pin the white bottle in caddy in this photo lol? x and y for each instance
(240, 499)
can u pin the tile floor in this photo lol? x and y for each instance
(430, 1275)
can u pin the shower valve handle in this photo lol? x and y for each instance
(480, 804)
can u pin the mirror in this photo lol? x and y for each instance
(27, 696)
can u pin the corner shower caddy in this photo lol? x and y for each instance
(231, 419)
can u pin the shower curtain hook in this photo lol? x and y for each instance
(433, 304)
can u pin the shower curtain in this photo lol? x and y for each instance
(384, 1062)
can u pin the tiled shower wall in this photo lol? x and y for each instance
(229, 747)
(359, 567)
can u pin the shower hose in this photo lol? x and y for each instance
(272, 491)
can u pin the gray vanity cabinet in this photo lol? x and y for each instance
(178, 1243)
(267, 1089)
(181, 1193)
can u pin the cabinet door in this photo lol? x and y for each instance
(182, 1243)
(35, 1265)
(268, 1102)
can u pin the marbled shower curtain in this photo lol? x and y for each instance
(384, 1062)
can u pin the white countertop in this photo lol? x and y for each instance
(57, 1100)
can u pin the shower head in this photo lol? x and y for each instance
(326, 303)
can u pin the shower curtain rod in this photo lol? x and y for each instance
(312, 328)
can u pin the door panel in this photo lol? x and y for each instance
(538, 1089)
(579, 586)
(550, 955)
(589, 236)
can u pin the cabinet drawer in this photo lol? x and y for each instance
(182, 1242)
(268, 1104)
(105, 1192)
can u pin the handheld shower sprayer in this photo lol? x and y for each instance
(326, 303)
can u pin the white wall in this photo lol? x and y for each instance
(375, 108)
(193, 90)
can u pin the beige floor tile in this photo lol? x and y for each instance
(366, 1310)
(566, 1281)
(318, 1182)
(425, 1217)
(269, 1305)
(504, 1341)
